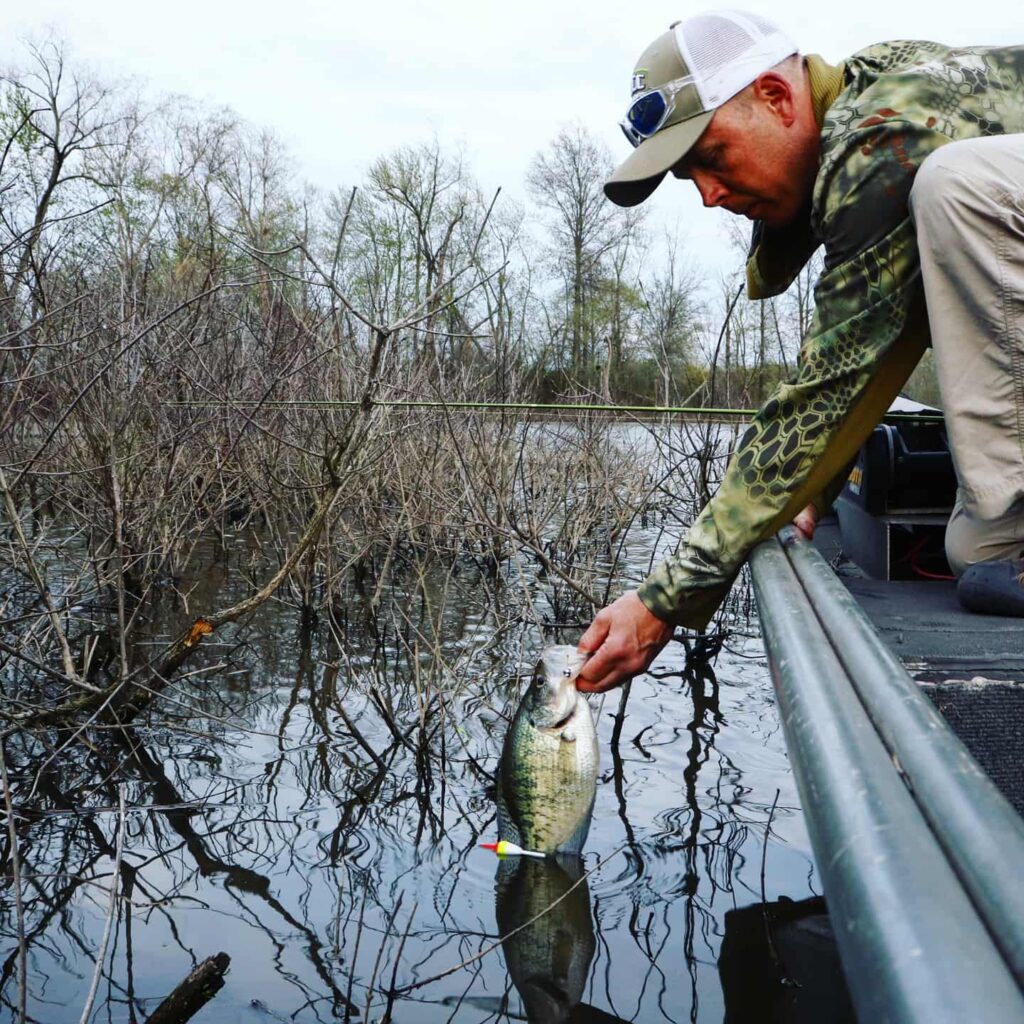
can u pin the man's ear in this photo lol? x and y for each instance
(776, 93)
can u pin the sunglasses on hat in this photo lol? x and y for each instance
(656, 109)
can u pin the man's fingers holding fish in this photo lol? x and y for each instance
(622, 641)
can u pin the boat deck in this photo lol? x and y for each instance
(924, 625)
(971, 666)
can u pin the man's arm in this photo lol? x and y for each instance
(866, 337)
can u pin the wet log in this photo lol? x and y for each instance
(192, 994)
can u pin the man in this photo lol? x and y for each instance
(906, 163)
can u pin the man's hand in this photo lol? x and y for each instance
(806, 521)
(625, 637)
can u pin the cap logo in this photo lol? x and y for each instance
(639, 81)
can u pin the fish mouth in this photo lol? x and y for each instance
(562, 723)
(553, 727)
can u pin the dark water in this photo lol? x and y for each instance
(312, 802)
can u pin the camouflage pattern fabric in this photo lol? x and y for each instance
(899, 102)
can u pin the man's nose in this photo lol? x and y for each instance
(712, 191)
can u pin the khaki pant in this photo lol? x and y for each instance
(967, 203)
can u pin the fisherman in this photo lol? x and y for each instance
(906, 162)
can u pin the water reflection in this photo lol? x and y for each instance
(544, 906)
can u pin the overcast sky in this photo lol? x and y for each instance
(343, 83)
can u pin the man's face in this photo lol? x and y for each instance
(751, 163)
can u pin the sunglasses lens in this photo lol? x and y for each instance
(646, 113)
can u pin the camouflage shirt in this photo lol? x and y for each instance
(882, 113)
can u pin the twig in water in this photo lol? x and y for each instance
(193, 993)
(380, 953)
(355, 954)
(764, 899)
(398, 960)
(19, 908)
(620, 714)
(101, 953)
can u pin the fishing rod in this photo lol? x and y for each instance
(474, 406)
(648, 410)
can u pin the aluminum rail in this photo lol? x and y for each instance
(981, 833)
(914, 948)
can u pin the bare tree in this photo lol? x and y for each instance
(671, 316)
(565, 181)
(51, 119)
(430, 195)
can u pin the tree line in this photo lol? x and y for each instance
(133, 210)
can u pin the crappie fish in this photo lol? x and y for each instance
(547, 777)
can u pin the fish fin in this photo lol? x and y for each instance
(574, 844)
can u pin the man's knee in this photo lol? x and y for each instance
(958, 173)
(930, 180)
(970, 540)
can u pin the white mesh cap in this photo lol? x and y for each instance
(726, 50)
(695, 66)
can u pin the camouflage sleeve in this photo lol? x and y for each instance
(866, 336)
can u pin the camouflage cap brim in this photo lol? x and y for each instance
(641, 172)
